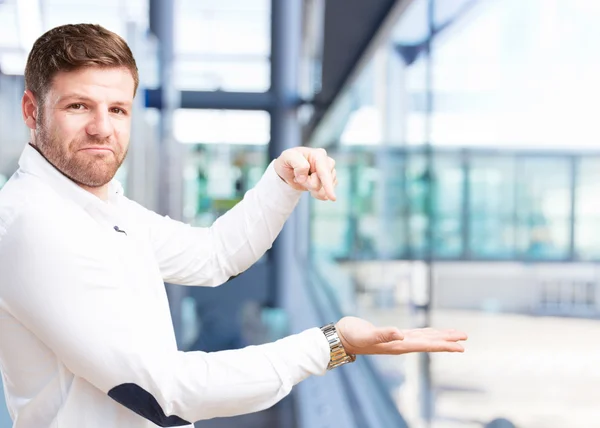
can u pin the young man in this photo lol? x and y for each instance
(86, 338)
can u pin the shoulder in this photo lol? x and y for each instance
(16, 199)
(31, 210)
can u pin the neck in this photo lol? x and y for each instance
(100, 192)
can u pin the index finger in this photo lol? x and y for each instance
(324, 173)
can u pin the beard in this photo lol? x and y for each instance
(82, 167)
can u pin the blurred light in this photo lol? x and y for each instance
(30, 22)
(363, 127)
(9, 37)
(221, 126)
(446, 10)
(413, 26)
(228, 74)
(500, 82)
(223, 45)
(110, 14)
(13, 63)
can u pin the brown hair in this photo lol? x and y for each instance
(72, 47)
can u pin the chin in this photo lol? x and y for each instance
(95, 180)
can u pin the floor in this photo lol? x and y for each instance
(537, 372)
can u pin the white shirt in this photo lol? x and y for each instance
(86, 337)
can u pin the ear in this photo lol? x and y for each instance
(29, 108)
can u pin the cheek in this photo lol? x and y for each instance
(122, 132)
(69, 127)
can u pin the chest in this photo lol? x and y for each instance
(125, 240)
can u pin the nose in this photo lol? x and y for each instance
(100, 125)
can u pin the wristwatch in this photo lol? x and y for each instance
(337, 353)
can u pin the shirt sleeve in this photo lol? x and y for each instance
(70, 295)
(210, 256)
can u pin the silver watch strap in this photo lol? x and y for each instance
(337, 353)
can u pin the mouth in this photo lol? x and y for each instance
(95, 149)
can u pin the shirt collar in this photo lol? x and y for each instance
(32, 162)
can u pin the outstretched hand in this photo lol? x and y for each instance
(361, 337)
(305, 168)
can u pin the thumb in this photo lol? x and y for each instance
(389, 334)
(298, 163)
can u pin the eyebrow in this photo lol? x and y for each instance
(80, 97)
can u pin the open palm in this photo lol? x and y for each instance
(361, 337)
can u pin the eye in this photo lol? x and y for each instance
(118, 110)
(76, 106)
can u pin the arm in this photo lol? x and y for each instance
(82, 311)
(210, 256)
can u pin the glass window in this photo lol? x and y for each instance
(368, 219)
(223, 45)
(364, 122)
(491, 207)
(226, 74)
(543, 207)
(443, 208)
(512, 82)
(416, 123)
(216, 177)
(587, 209)
(333, 226)
(448, 196)
(391, 204)
(518, 74)
(226, 156)
(213, 30)
(417, 187)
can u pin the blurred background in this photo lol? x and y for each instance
(466, 140)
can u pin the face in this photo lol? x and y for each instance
(84, 124)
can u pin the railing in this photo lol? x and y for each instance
(369, 400)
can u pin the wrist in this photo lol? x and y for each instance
(337, 351)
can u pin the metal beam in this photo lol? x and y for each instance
(286, 33)
(215, 100)
(170, 192)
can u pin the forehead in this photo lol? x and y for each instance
(94, 83)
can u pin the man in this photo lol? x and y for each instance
(86, 338)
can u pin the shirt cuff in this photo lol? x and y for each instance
(302, 354)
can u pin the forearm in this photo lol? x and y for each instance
(210, 256)
(254, 378)
(245, 233)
